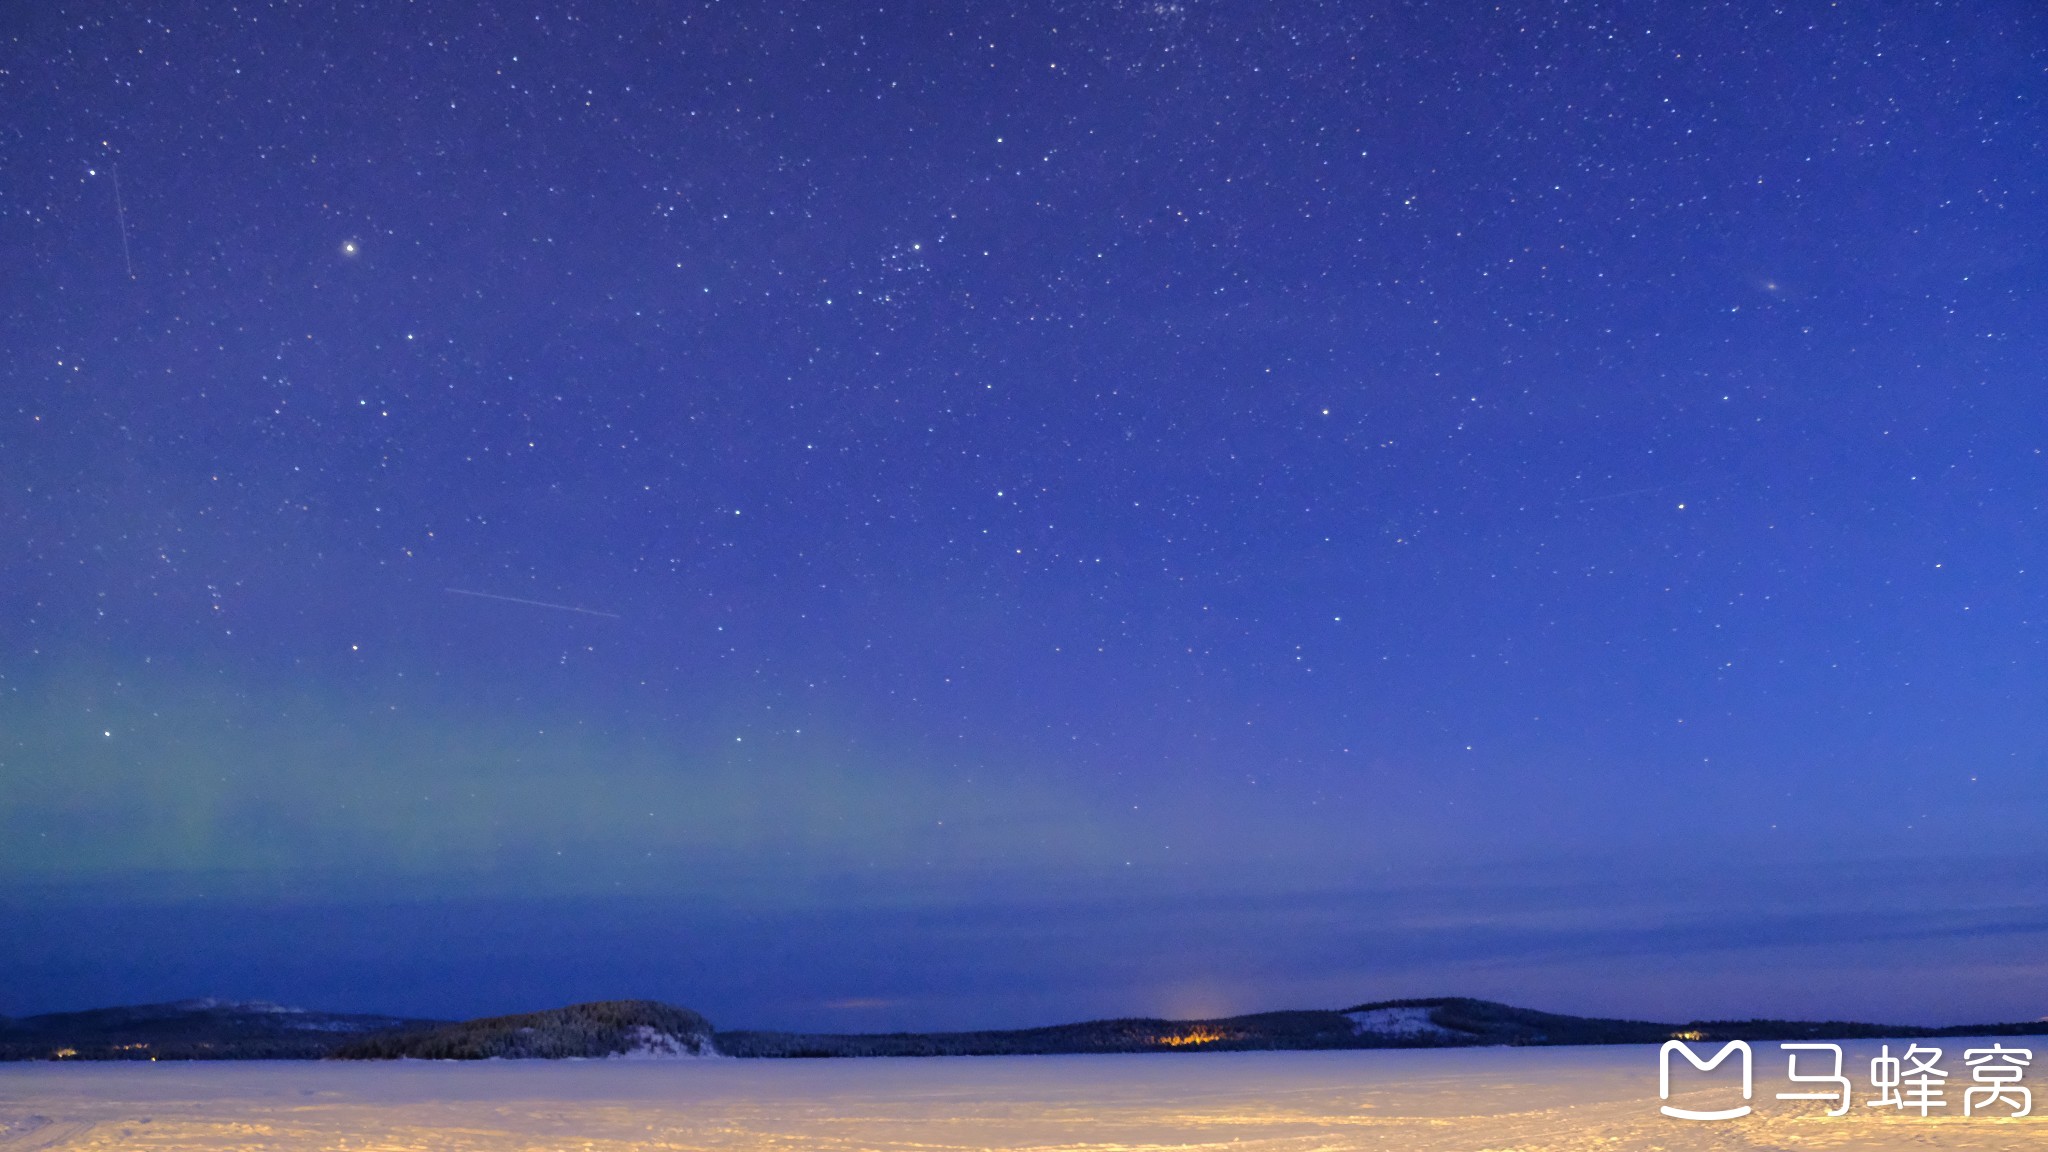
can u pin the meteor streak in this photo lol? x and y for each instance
(533, 603)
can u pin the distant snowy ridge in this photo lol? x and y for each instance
(1406, 1023)
(641, 1030)
(204, 1029)
(215, 1004)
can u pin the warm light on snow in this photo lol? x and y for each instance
(1529, 1099)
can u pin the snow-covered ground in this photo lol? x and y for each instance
(1430, 1100)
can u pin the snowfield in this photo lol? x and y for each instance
(1415, 1100)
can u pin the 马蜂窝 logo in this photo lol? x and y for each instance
(1664, 1078)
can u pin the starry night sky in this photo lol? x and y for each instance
(854, 516)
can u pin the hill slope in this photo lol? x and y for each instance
(1445, 1022)
(213, 1030)
(615, 1028)
(190, 1030)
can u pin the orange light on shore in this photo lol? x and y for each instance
(1191, 1039)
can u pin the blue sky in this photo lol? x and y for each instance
(941, 517)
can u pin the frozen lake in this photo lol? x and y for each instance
(1470, 1099)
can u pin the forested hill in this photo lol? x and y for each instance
(612, 1028)
(191, 1030)
(1452, 1022)
(218, 1030)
